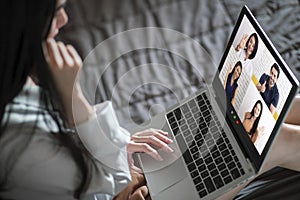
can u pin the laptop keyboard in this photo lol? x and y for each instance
(207, 152)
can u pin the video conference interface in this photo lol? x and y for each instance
(255, 84)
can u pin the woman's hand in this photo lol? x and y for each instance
(148, 141)
(136, 189)
(65, 64)
(242, 44)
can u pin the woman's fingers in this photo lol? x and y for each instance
(162, 135)
(133, 147)
(73, 53)
(156, 140)
(60, 55)
(67, 59)
(54, 56)
(140, 193)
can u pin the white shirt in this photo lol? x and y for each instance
(44, 168)
(247, 64)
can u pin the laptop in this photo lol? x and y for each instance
(223, 132)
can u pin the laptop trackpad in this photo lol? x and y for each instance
(160, 175)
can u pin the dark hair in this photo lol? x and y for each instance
(255, 124)
(25, 26)
(255, 46)
(239, 63)
(276, 68)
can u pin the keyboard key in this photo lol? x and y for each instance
(219, 160)
(194, 149)
(204, 96)
(235, 173)
(231, 165)
(211, 166)
(187, 157)
(209, 185)
(202, 126)
(228, 159)
(208, 160)
(202, 168)
(202, 193)
(204, 174)
(214, 173)
(197, 180)
(224, 173)
(199, 162)
(177, 113)
(242, 171)
(196, 155)
(227, 180)
(194, 173)
(222, 147)
(225, 153)
(185, 109)
(175, 131)
(218, 182)
(193, 125)
(190, 120)
(200, 142)
(200, 187)
(189, 138)
(215, 154)
(210, 142)
(204, 131)
(214, 129)
(221, 167)
(204, 108)
(169, 115)
(191, 144)
(195, 109)
(191, 167)
(195, 131)
(192, 103)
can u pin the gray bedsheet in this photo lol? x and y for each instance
(145, 70)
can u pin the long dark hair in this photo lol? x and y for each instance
(255, 46)
(239, 63)
(25, 25)
(255, 124)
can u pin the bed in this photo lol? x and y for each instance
(146, 55)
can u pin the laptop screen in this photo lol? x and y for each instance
(258, 84)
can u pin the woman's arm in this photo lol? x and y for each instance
(242, 44)
(234, 95)
(65, 64)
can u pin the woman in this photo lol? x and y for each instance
(251, 120)
(43, 154)
(246, 51)
(231, 80)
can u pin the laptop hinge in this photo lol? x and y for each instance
(250, 165)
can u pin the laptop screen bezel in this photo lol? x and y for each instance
(239, 131)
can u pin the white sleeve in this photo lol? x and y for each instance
(103, 137)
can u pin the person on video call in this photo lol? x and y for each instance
(268, 88)
(231, 81)
(251, 120)
(246, 51)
